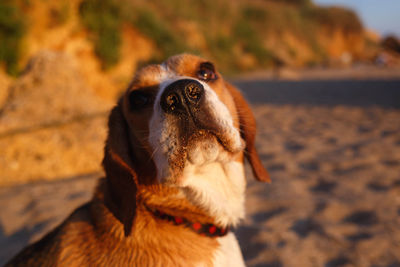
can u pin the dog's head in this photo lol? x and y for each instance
(180, 124)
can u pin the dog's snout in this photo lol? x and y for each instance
(181, 96)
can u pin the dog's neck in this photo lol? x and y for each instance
(217, 188)
(214, 196)
(214, 192)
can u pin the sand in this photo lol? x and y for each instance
(334, 199)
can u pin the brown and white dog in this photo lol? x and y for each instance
(174, 180)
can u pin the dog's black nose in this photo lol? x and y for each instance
(182, 96)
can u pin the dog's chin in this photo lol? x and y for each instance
(207, 147)
(202, 149)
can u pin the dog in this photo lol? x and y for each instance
(175, 183)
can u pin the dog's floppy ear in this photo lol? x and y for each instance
(121, 176)
(248, 133)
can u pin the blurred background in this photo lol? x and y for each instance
(323, 78)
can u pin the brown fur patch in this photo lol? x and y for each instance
(248, 131)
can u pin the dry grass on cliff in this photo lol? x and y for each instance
(12, 28)
(237, 35)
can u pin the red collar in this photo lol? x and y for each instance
(204, 229)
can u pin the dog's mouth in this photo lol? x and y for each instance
(208, 142)
(195, 144)
(205, 128)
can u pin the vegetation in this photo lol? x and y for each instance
(229, 29)
(59, 15)
(103, 19)
(232, 31)
(335, 18)
(251, 43)
(167, 42)
(12, 29)
(391, 43)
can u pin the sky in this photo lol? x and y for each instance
(382, 16)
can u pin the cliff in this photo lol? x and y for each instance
(109, 39)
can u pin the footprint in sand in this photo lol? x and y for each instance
(266, 215)
(359, 237)
(378, 187)
(304, 227)
(294, 146)
(337, 262)
(323, 186)
(391, 162)
(362, 218)
(276, 167)
(312, 165)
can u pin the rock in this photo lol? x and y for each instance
(52, 124)
(49, 90)
(391, 43)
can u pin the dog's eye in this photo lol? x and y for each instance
(207, 72)
(139, 99)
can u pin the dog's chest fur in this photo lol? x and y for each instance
(151, 243)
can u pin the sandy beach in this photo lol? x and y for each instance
(333, 151)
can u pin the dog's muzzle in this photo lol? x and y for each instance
(186, 100)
